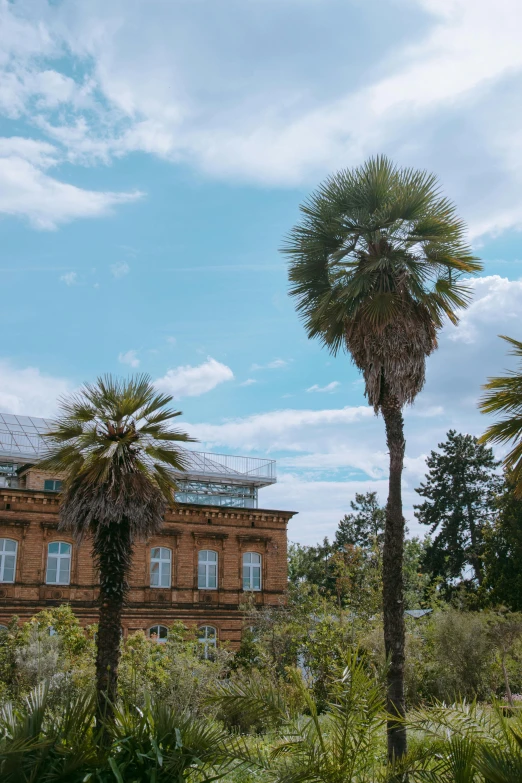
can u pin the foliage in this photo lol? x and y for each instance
(504, 395)
(416, 577)
(39, 744)
(375, 265)
(349, 569)
(174, 672)
(503, 551)
(364, 525)
(156, 743)
(29, 654)
(460, 488)
(465, 743)
(343, 744)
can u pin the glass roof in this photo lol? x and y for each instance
(20, 439)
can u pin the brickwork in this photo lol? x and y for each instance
(30, 517)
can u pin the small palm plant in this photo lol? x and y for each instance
(40, 744)
(114, 446)
(345, 743)
(504, 395)
(375, 266)
(465, 743)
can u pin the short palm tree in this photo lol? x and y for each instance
(504, 395)
(113, 444)
(375, 266)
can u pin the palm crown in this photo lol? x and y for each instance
(504, 395)
(118, 454)
(376, 264)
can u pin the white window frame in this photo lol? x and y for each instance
(59, 557)
(8, 553)
(157, 630)
(54, 488)
(161, 560)
(205, 568)
(249, 568)
(207, 640)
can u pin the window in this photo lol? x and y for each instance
(159, 633)
(52, 485)
(251, 571)
(207, 570)
(8, 549)
(207, 637)
(160, 560)
(58, 563)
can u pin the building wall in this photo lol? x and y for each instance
(31, 518)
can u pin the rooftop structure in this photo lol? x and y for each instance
(210, 479)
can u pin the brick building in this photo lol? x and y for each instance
(216, 547)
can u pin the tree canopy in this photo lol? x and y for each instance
(459, 491)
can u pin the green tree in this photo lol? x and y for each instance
(505, 630)
(460, 489)
(416, 576)
(312, 564)
(113, 444)
(503, 551)
(364, 526)
(504, 395)
(375, 266)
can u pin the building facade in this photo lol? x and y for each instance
(215, 549)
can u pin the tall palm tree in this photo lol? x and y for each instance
(504, 395)
(375, 266)
(113, 444)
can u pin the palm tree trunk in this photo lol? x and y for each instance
(112, 552)
(393, 606)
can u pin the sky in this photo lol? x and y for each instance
(153, 155)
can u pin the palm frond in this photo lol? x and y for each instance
(376, 247)
(503, 394)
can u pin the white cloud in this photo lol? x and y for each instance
(130, 358)
(188, 381)
(437, 102)
(69, 278)
(120, 269)
(330, 387)
(172, 340)
(276, 364)
(248, 382)
(29, 392)
(40, 153)
(26, 191)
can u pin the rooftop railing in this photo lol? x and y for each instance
(22, 446)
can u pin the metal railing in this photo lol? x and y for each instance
(24, 446)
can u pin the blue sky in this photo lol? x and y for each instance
(152, 157)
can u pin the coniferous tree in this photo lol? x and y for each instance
(364, 526)
(460, 489)
(503, 551)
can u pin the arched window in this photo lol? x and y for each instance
(8, 549)
(207, 637)
(207, 570)
(58, 563)
(251, 571)
(3, 629)
(160, 566)
(159, 633)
